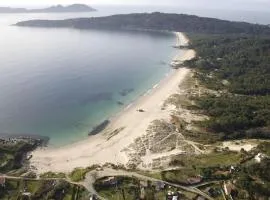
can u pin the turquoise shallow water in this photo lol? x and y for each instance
(62, 82)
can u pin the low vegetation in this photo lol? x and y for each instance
(201, 165)
(264, 147)
(118, 188)
(53, 175)
(124, 188)
(78, 174)
(235, 70)
(234, 115)
(253, 178)
(238, 69)
(41, 190)
(13, 153)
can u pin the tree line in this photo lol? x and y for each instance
(239, 68)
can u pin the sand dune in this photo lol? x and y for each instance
(124, 129)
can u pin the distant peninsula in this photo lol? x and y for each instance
(155, 21)
(52, 9)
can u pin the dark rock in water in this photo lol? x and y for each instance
(141, 110)
(99, 128)
(126, 91)
(106, 96)
(163, 63)
(120, 103)
(181, 47)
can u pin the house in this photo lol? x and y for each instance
(2, 181)
(26, 194)
(160, 186)
(93, 197)
(232, 169)
(259, 157)
(173, 196)
(110, 181)
(194, 180)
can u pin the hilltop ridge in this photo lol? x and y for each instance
(52, 9)
(155, 21)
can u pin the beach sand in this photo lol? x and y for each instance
(107, 147)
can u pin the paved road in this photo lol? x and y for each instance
(91, 177)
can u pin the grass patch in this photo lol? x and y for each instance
(125, 188)
(200, 165)
(181, 175)
(53, 175)
(33, 186)
(155, 175)
(78, 174)
(12, 154)
(40, 189)
(264, 147)
(207, 160)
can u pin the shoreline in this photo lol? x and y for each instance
(183, 39)
(125, 127)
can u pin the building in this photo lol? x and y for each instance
(232, 169)
(259, 157)
(93, 197)
(173, 196)
(26, 194)
(194, 180)
(110, 181)
(160, 186)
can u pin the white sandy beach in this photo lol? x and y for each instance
(105, 148)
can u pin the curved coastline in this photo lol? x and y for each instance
(123, 129)
(181, 40)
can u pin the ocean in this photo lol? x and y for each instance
(61, 83)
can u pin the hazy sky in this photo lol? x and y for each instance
(216, 4)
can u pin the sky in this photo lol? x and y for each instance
(211, 4)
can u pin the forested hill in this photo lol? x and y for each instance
(238, 67)
(155, 21)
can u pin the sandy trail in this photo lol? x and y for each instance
(104, 147)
